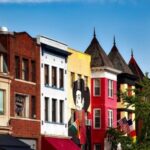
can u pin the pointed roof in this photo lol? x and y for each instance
(135, 67)
(98, 55)
(117, 60)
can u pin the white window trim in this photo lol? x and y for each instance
(99, 87)
(94, 118)
(27, 113)
(110, 111)
(110, 88)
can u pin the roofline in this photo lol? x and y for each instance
(79, 51)
(108, 69)
(38, 36)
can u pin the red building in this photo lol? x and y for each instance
(23, 65)
(103, 94)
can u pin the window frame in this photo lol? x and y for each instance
(94, 122)
(61, 78)
(3, 102)
(17, 67)
(25, 112)
(54, 76)
(110, 88)
(110, 118)
(46, 108)
(54, 110)
(46, 74)
(61, 111)
(98, 79)
(25, 69)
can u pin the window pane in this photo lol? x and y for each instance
(110, 88)
(25, 69)
(46, 74)
(1, 102)
(61, 78)
(46, 108)
(22, 105)
(54, 77)
(96, 87)
(61, 111)
(17, 67)
(33, 107)
(33, 71)
(54, 110)
(97, 118)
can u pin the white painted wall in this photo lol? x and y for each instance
(49, 128)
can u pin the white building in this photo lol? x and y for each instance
(53, 58)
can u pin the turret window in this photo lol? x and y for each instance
(96, 87)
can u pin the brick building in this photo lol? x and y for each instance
(23, 57)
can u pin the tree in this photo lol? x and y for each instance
(141, 102)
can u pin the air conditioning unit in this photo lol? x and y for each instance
(88, 122)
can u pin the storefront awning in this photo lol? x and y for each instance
(8, 142)
(50, 143)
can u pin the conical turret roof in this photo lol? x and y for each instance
(98, 56)
(135, 67)
(118, 61)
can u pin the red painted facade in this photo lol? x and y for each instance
(104, 103)
(25, 47)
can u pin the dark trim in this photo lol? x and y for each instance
(126, 78)
(54, 50)
(125, 109)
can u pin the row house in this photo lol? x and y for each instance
(126, 81)
(53, 95)
(103, 94)
(20, 99)
(133, 65)
(78, 95)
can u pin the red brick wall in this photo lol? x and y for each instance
(24, 46)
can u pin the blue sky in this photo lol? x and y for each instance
(72, 22)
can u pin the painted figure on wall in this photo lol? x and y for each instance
(81, 96)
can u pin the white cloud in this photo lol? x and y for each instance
(53, 1)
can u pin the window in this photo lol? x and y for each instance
(61, 78)
(25, 69)
(85, 82)
(22, 105)
(72, 116)
(54, 109)
(97, 147)
(97, 118)
(110, 118)
(46, 109)
(72, 78)
(61, 111)
(3, 63)
(110, 88)
(46, 74)
(96, 87)
(17, 67)
(33, 71)
(54, 77)
(33, 107)
(1, 102)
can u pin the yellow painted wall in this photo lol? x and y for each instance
(124, 88)
(78, 63)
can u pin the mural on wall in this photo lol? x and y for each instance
(81, 97)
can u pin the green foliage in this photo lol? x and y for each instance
(115, 136)
(141, 102)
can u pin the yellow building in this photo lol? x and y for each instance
(78, 68)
